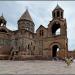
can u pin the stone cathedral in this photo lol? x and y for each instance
(24, 43)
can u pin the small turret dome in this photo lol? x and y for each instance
(2, 20)
(57, 12)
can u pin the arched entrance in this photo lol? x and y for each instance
(56, 29)
(55, 50)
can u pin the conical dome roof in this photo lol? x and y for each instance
(2, 18)
(57, 7)
(26, 16)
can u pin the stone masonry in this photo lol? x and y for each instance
(24, 43)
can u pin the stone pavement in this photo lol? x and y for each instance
(35, 67)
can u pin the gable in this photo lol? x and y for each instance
(40, 27)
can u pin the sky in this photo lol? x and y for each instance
(41, 13)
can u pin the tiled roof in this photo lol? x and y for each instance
(2, 17)
(58, 7)
(26, 16)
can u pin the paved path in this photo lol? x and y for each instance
(35, 67)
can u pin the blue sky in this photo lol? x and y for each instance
(41, 13)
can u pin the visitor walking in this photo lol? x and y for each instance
(68, 60)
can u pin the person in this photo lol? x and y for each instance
(68, 60)
(71, 58)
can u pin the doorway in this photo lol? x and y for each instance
(55, 50)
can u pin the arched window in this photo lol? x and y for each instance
(56, 29)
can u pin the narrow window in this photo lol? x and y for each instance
(28, 46)
(61, 14)
(58, 14)
(41, 33)
(34, 48)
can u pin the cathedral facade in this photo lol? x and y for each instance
(24, 43)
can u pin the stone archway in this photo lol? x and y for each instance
(56, 29)
(55, 49)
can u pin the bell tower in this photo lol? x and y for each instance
(57, 31)
(2, 21)
(58, 23)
